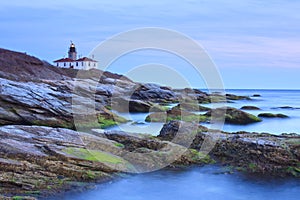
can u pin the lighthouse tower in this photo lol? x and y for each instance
(72, 52)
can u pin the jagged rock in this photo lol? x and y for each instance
(153, 93)
(252, 152)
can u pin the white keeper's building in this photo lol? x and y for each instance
(74, 63)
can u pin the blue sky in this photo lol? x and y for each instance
(254, 44)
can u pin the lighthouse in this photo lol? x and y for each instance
(72, 51)
(71, 61)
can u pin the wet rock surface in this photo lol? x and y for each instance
(248, 152)
(233, 116)
(272, 115)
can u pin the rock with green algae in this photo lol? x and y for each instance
(249, 152)
(250, 108)
(272, 115)
(232, 116)
(176, 113)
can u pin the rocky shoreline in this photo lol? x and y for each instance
(44, 149)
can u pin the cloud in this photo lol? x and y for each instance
(254, 50)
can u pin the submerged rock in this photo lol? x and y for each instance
(250, 108)
(256, 95)
(272, 115)
(237, 97)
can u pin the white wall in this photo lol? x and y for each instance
(77, 65)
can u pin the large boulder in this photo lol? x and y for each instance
(50, 103)
(154, 93)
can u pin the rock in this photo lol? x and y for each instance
(172, 128)
(256, 95)
(286, 107)
(191, 107)
(50, 103)
(45, 159)
(153, 93)
(130, 105)
(192, 95)
(38, 158)
(175, 113)
(272, 115)
(237, 97)
(252, 152)
(233, 115)
(250, 108)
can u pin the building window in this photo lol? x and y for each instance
(64, 64)
(76, 64)
(89, 64)
(82, 63)
(94, 64)
(70, 64)
(56, 64)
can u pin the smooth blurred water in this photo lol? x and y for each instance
(191, 184)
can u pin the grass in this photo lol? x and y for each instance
(93, 155)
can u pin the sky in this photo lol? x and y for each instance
(253, 43)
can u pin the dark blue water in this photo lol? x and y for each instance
(192, 184)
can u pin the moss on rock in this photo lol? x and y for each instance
(93, 155)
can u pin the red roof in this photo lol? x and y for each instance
(64, 60)
(78, 60)
(86, 59)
